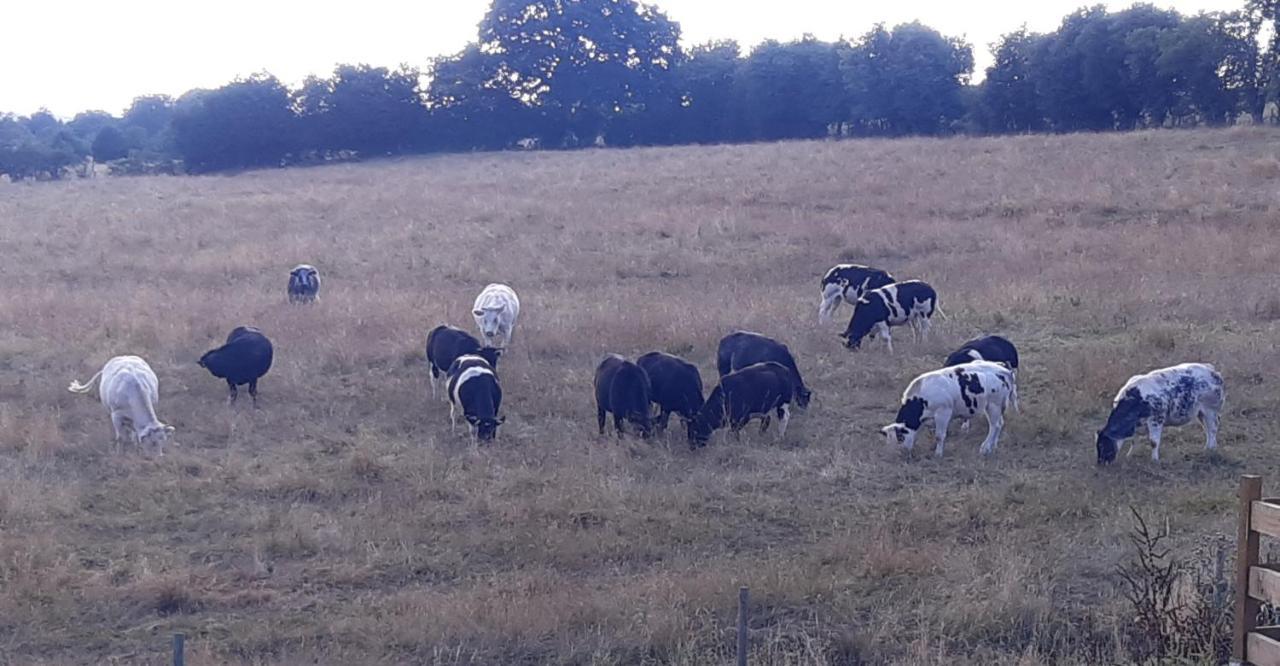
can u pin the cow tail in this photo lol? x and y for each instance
(77, 387)
(1013, 395)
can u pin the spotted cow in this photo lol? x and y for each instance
(963, 391)
(1167, 397)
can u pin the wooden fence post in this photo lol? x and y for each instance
(1246, 610)
(743, 600)
(179, 650)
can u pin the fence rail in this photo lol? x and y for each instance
(1256, 583)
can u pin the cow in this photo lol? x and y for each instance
(244, 359)
(474, 389)
(743, 348)
(675, 386)
(130, 391)
(304, 284)
(960, 391)
(912, 302)
(986, 348)
(446, 343)
(761, 390)
(622, 389)
(496, 310)
(848, 283)
(1166, 397)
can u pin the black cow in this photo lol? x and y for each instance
(474, 388)
(675, 385)
(912, 302)
(986, 348)
(622, 389)
(446, 343)
(848, 283)
(304, 284)
(759, 390)
(743, 348)
(244, 359)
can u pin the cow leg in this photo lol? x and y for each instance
(617, 423)
(435, 376)
(1209, 420)
(964, 425)
(1154, 429)
(941, 419)
(663, 419)
(925, 323)
(764, 423)
(253, 392)
(784, 417)
(120, 425)
(888, 337)
(995, 425)
(600, 419)
(232, 393)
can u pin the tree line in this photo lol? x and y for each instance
(561, 74)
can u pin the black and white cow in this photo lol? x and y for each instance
(962, 392)
(474, 389)
(675, 386)
(743, 348)
(1167, 397)
(848, 283)
(622, 389)
(912, 302)
(761, 391)
(986, 348)
(244, 359)
(304, 284)
(446, 343)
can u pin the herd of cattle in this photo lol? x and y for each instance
(758, 376)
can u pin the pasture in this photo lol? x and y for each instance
(343, 523)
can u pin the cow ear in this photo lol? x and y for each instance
(169, 430)
(478, 313)
(471, 418)
(889, 429)
(501, 420)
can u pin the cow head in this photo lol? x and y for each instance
(490, 354)
(1107, 447)
(897, 433)
(488, 320)
(155, 436)
(486, 429)
(1126, 415)
(803, 396)
(699, 432)
(861, 324)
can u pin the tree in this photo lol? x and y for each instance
(471, 110)
(706, 108)
(792, 90)
(1212, 64)
(906, 81)
(247, 123)
(583, 62)
(371, 110)
(1007, 100)
(110, 144)
(87, 124)
(152, 113)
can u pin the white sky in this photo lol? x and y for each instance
(72, 55)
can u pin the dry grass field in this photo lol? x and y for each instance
(342, 523)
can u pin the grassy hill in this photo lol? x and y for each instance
(344, 523)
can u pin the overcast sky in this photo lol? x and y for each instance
(72, 55)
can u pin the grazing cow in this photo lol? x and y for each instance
(987, 348)
(743, 348)
(474, 388)
(446, 343)
(1166, 397)
(496, 310)
(961, 391)
(244, 359)
(912, 302)
(756, 391)
(129, 390)
(622, 389)
(675, 385)
(848, 283)
(304, 284)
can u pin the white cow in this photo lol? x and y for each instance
(129, 390)
(1165, 397)
(962, 392)
(496, 310)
